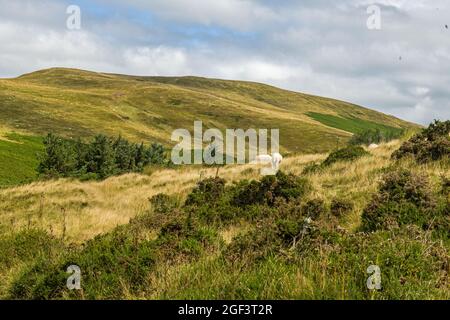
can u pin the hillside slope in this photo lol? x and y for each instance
(81, 103)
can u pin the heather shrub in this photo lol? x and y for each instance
(403, 198)
(349, 153)
(246, 193)
(254, 246)
(412, 265)
(431, 144)
(402, 184)
(184, 238)
(314, 208)
(266, 191)
(207, 191)
(162, 203)
(339, 207)
(291, 231)
(107, 263)
(216, 204)
(116, 264)
(27, 246)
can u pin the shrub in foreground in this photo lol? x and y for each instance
(412, 265)
(162, 203)
(431, 144)
(111, 265)
(349, 153)
(340, 207)
(403, 198)
(207, 191)
(334, 266)
(27, 246)
(314, 209)
(269, 188)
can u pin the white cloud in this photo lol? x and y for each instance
(156, 61)
(420, 91)
(314, 46)
(255, 70)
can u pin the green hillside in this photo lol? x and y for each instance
(81, 103)
(76, 103)
(18, 158)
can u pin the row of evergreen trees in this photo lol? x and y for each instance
(99, 158)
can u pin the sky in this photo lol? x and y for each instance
(400, 67)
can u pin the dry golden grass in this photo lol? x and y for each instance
(6, 130)
(81, 210)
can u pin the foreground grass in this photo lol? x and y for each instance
(128, 250)
(408, 266)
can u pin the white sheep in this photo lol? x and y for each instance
(275, 160)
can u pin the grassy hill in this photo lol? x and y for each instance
(76, 103)
(193, 232)
(81, 103)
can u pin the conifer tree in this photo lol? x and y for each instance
(124, 155)
(59, 157)
(100, 157)
(139, 157)
(155, 154)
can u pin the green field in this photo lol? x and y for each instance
(19, 158)
(77, 103)
(353, 125)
